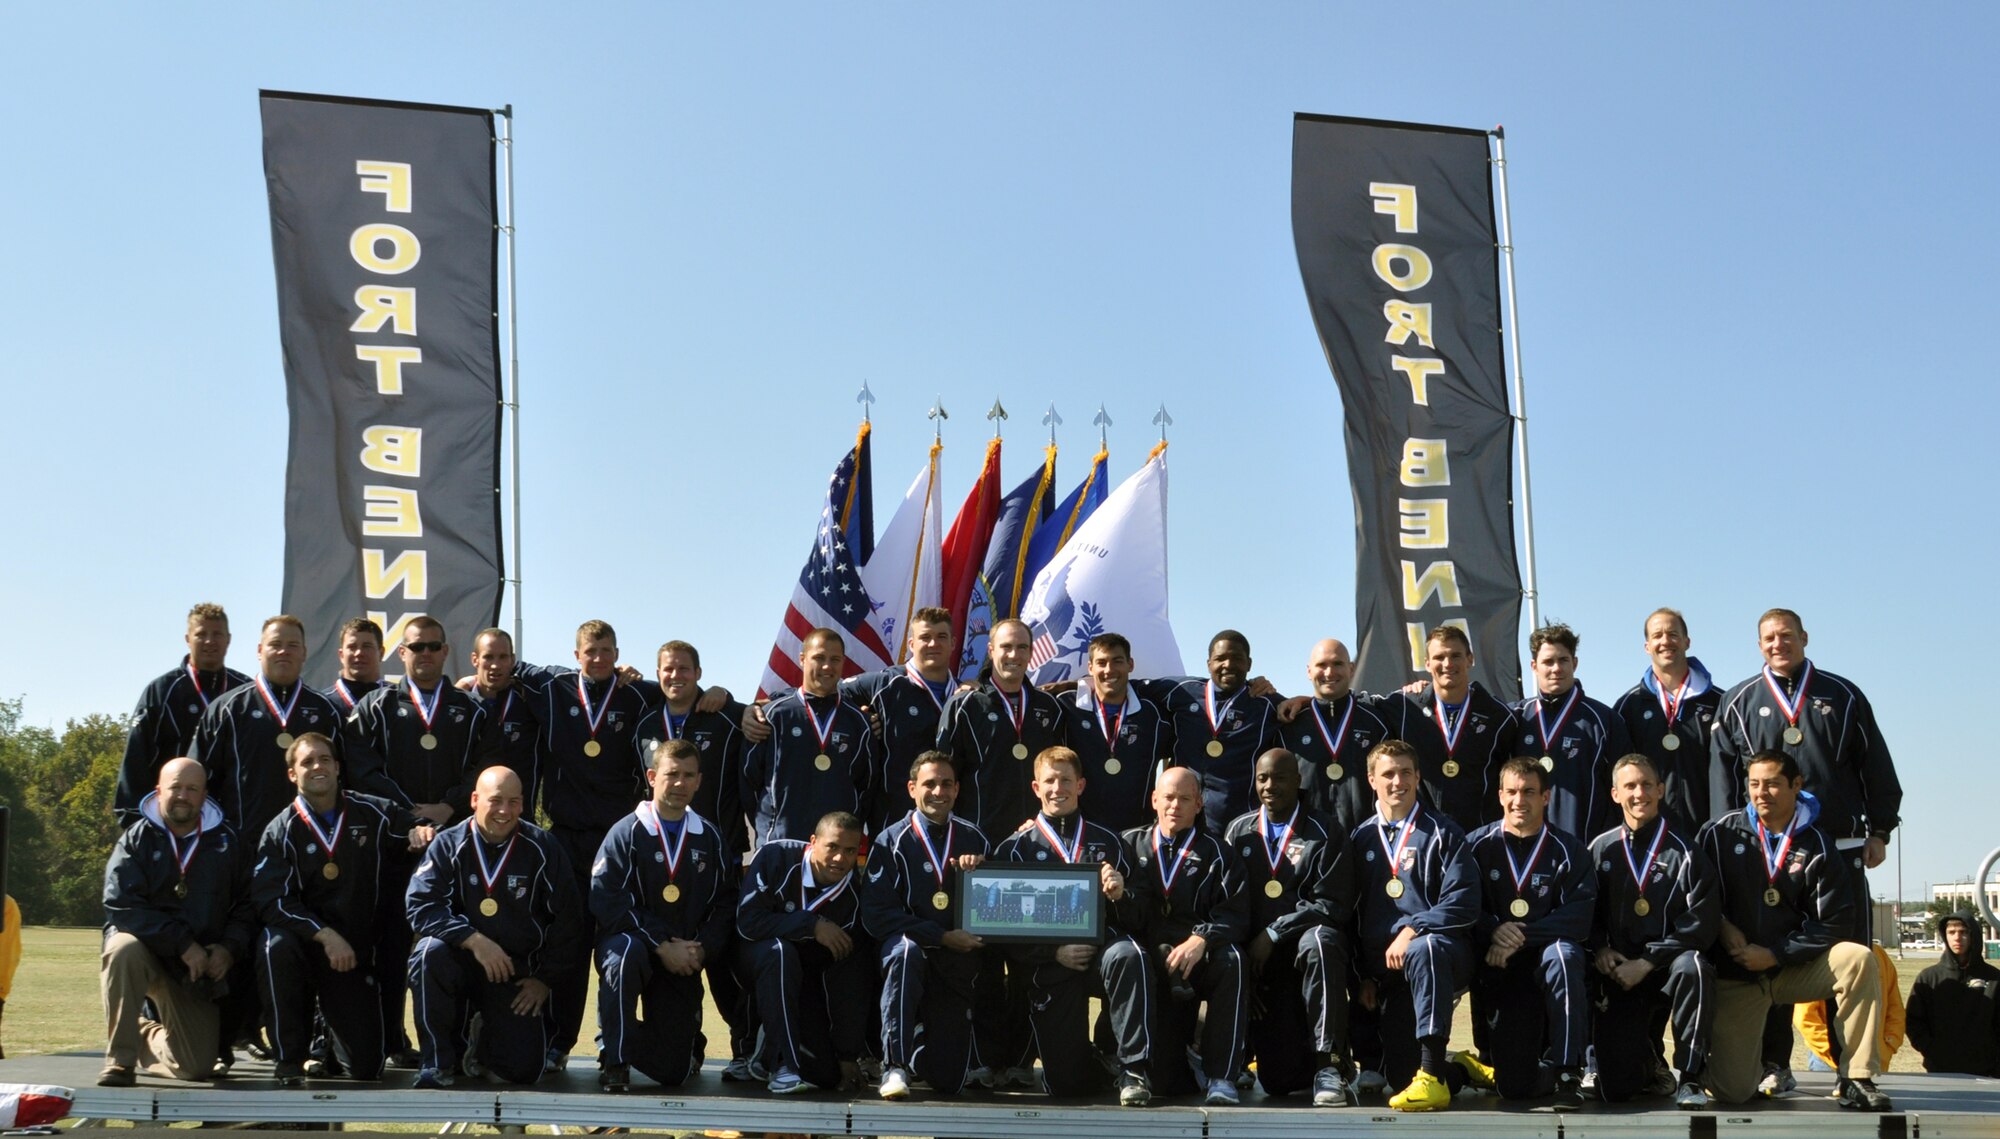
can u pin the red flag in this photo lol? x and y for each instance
(965, 546)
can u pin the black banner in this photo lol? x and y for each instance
(1395, 235)
(383, 227)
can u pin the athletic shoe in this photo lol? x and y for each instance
(1862, 1095)
(1246, 1079)
(980, 1077)
(784, 1081)
(1370, 1081)
(1019, 1077)
(1425, 1093)
(1690, 1097)
(116, 1076)
(1134, 1090)
(328, 1068)
(290, 1073)
(1663, 1082)
(1330, 1089)
(738, 1071)
(895, 1084)
(432, 1078)
(1569, 1092)
(615, 1078)
(223, 1063)
(1777, 1081)
(405, 1058)
(1222, 1093)
(1477, 1075)
(556, 1061)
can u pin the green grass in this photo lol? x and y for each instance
(55, 1007)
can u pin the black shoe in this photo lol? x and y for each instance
(1569, 1091)
(324, 1068)
(223, 1063)
(614, 1078)
(116, 1076)
(1862, 1095)
(407, 1058)
(290, 1073)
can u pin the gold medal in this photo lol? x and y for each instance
(1642, 907)
(1548, 763)
(1518, 907)
(1274, 889)
(181, 888)
(592, 748)
(1771, 897)
(1672, 742)
(427, 741)
(823, 761)
(672, 893)
(1020, 751)
(1393, 887)
(284, 739)
(1334, 771)
(489, 907)
(1112, 766)
(940, 901)
(1450, 769)
(329, 872)
(1794, 736)
(1214, 748)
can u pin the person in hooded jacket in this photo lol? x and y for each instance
(177, 931)
(1670, 715)
(1953, 1015)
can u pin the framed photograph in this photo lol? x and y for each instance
(1048, 905)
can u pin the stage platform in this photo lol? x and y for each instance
(1930, 1107)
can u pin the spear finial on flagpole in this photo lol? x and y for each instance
(996, 413)
(1165, 421)
(937, 415)
(1103, 422)
(865, 399)
(1053, 420)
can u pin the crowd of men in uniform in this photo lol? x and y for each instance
(1294, 891)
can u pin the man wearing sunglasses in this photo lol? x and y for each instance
(421, 744)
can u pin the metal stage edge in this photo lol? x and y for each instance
(1931, 1107)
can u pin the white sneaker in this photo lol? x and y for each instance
(980, 1077)
(1017, 1078)
(1777, 1081)
(895, 1084)
(1690, 1097)
(1222, 1093)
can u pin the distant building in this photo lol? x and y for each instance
(1959, 894)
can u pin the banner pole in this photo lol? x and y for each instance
(1528, 588)
(513, 404)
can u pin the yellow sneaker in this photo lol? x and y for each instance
(1425, 1093)
(1477, 1075)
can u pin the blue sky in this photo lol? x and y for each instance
(1755, 247)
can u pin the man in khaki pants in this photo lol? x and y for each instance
(1787, 921)
(178, 929)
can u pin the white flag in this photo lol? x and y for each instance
(905, 573)
(1111, 577)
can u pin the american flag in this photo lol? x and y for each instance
(829, 593)
(1045, 651)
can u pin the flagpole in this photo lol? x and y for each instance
(1528, 587)
(512, 406)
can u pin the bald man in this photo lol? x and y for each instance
(178, 929)
(497, 919)
(1332, 736)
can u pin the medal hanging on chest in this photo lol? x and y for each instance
(823, 732)
(1274, 850)
(283, 716)
(1791, 709)
(1522, 874)
(490, 905)
(1216, 717)
(940, 900)
(593, 718)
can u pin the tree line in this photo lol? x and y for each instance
(58, 791)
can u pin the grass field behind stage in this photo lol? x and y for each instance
(55, 1007)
